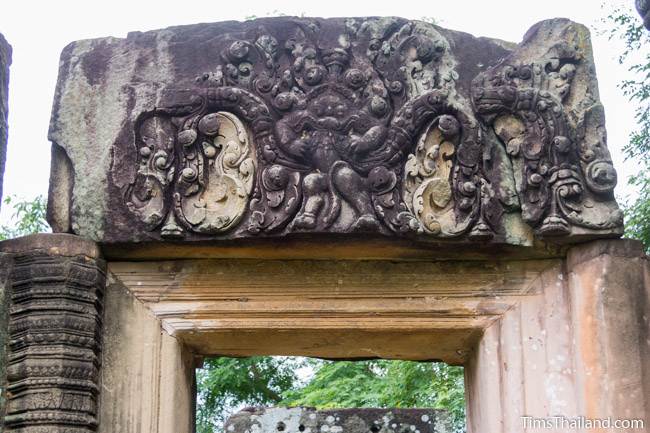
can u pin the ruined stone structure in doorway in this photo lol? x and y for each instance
(339, 188)
(356, 420)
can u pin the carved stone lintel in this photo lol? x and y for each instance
(56, 287)
(292, 126)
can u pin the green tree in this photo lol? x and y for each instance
(625, 25)
(28, 217)
(226, 384)
(382, 383)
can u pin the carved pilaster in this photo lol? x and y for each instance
(55, 316)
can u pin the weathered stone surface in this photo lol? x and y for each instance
(5, 267)
(309, 420)
(336, 309)
(5, 61)
(54, 287)
(643, 6)
(538, 338)
(147, 376)
(577, 346)
(280, 126)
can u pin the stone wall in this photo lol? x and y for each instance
(5, 260)
(5, 61)
(577, 346)
(543, 338)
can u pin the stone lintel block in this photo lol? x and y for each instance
(283, 127)
(359, 420)
(624, 248)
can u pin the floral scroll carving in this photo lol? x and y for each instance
(427, 187)
(363, 127)
(560, 183)
(209, 187)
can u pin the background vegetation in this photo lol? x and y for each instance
(28, 217)
(626, 26)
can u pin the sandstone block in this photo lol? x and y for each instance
(5, 62)
(284, 126)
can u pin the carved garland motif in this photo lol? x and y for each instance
(336, 143)
(53, 361)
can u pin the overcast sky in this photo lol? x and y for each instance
(38, 31)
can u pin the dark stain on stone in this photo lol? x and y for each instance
(96, 62)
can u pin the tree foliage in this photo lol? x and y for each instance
(227, 383)
(28, 217)
(382, 383)
(333, 384)
(625, 25)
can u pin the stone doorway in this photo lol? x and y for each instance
(523, 329)
(537, 337)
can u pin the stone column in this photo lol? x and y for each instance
(610, 307)
(54, 289)
(5, 61)
(578, 345)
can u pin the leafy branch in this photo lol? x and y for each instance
(28, 217)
